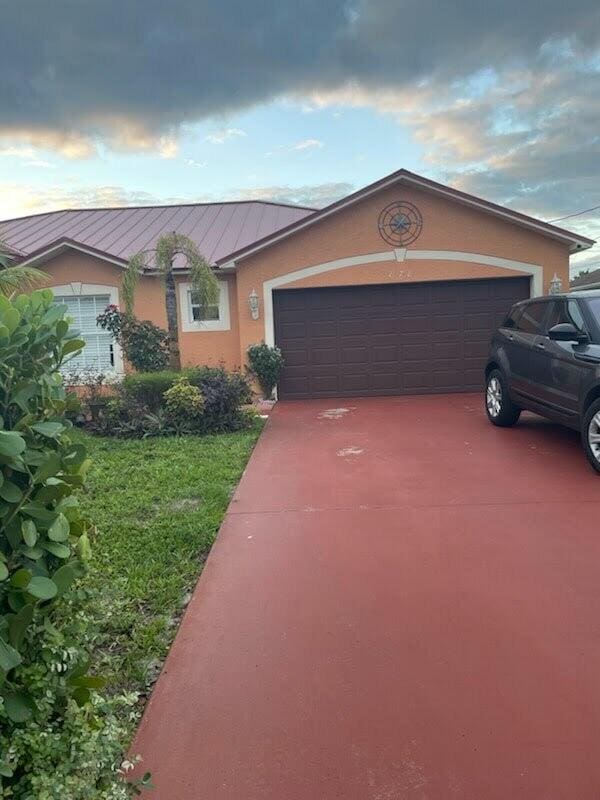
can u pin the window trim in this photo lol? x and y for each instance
(189, 324)
(77, 289)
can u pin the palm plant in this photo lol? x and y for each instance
(14, 278)
(204, 284)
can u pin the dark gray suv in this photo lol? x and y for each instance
(545, 357)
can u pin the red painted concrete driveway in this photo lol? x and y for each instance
(403, 602)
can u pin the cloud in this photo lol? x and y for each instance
(307, 144)
(523, 131)
(90, 70)
(20, 199)
(312, 195)
(191, 162)
(304, 145)
(224, 135)
(28, 155)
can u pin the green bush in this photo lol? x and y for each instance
(224, 393)
(265, 363)
(65, 750)
(184, 404)
(146, 346)
(125, 418)
(44, 546)
(148, 388)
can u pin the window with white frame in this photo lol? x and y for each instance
(98, 354)
(199, 316)
(200, 311)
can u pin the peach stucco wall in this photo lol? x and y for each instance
(198, 347)
(447, 225)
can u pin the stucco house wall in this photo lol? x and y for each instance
(447, 226)
(85, 274)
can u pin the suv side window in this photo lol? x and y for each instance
(565, 311)
(532, 317)
(513, 317)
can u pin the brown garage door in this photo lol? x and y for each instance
(415, 338)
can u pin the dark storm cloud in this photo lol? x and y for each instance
(135, 69)
(503, 97)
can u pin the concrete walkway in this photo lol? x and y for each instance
(403, 602)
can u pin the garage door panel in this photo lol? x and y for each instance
(392, 339)
(418, 324)
(355, 355)
(294, 330)
(443, 350)
(323, 328)
(353, 327)
(477, 350)
(296, 358)
(386, 325)
(358, 382)
(388, 354)
(326, 357)
(418, 351)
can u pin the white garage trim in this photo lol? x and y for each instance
(535, 270)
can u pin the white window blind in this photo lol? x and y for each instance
(98, 353)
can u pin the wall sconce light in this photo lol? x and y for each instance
(555, 285)
(254, 304)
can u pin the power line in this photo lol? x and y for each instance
(576, 214)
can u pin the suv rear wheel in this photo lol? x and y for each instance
(590, 434)
(500, 408)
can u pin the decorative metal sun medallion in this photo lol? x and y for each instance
(400, 223)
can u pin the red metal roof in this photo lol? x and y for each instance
(217, 228)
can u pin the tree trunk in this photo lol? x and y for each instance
(172, 320)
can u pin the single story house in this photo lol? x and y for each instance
(394, 289)
(587, 280)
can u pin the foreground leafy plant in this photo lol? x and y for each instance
(49, 712)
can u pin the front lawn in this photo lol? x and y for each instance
(157, 504)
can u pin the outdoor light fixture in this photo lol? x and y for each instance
(253, 302)
(555, 285)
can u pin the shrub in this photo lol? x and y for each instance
(184, 404)
(224, 393)
(145, 344)
(124, 418)
(265, 363)
(46, 693)
(148, 388)
(65, 749)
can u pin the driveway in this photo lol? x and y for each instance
(403, 602)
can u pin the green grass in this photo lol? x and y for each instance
(157, 505)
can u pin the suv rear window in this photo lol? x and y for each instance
(532, 317)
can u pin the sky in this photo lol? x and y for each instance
(111, 103)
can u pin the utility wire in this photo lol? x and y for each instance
(576, 214)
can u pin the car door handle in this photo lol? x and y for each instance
(511, 338)
(540, 345)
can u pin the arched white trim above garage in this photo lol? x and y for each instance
(77, 289)
(399, 254)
